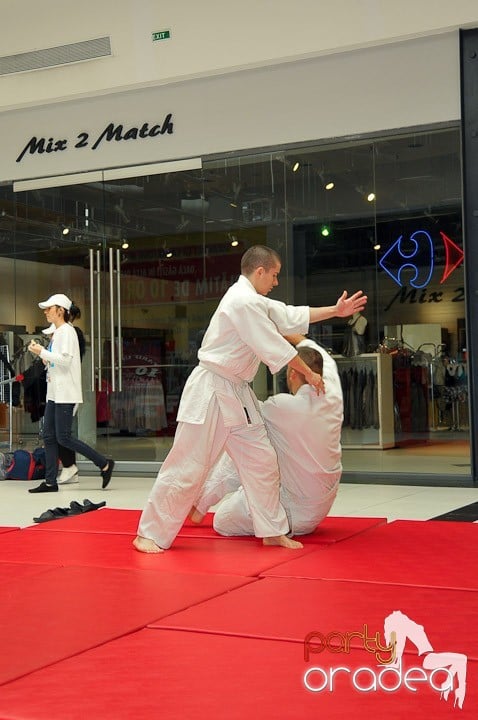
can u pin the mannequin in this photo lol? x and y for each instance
(354, 336)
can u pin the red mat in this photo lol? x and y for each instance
(333, 529)
(111, 520)
(433, 554)
(11, 571)
(193, 555)
(178, 675)
(53, 615)
(104, 520)
(289, 609)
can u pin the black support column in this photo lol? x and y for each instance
(469, 120)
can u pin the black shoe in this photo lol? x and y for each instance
(75, 508)
(54, 514)
(88, 506)
(45, 517)
(44, 487)
(106, 474)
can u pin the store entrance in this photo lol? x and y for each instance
(148, 252)
(118, 250)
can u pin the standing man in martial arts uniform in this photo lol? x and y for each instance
(219, 411)
(305, 431)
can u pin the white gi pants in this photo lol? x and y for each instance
(233, 516)
(195, 450)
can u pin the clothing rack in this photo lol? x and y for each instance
(6, 382)
(369, 405)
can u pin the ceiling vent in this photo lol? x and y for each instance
(53, 57)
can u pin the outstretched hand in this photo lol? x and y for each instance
(346, 306)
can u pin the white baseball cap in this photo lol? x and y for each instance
(49, 330)
(58, 299)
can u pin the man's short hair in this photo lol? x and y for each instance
(312, 358)
(259, 256)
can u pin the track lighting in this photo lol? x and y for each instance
(296, 166)
(371, 197)
(330, 185)
(125, 244)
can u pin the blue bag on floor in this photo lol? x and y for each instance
(26, 465)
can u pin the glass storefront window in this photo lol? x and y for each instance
(382, 215)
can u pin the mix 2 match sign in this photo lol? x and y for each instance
(444, 672)
(113, 132)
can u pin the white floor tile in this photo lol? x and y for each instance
(18, 507)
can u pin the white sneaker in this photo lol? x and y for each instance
(68, 475)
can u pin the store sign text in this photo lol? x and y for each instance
(154, 291)
(112, 132)
(412, 296)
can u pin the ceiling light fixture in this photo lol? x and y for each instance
(125, 244)
(325, 230)
(371, 197)
(296, 166)
(330, 185)
(65, 230)
(169, 253)
(377, 246)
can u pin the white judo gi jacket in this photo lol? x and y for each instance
(305, 431)
(246, 329)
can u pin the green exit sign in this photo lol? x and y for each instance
(162, 35)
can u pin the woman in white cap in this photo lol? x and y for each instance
(63, 393)
(69, 471)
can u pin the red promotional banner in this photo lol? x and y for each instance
(170, 280)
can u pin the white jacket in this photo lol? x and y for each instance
(63, 366)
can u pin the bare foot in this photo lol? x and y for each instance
(145, 545)
(195, 516)
(282, 541)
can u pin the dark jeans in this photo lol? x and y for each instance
(57, 431)
(67, 456)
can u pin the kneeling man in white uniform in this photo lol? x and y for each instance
(305, 430)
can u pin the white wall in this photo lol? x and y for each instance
(208, 37)
(414, 82)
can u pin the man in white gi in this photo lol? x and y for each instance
(219, 411)
(305, 431)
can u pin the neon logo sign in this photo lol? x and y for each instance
(404, 255)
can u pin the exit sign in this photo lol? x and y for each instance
(162, 35)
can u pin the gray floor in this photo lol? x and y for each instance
(18, 507)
